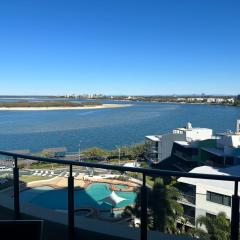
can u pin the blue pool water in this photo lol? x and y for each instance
(92, 196)
(120, 186)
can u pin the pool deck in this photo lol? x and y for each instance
(87, 224)
(84, 181)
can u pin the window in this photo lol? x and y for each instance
(219, 198)
(212, 216)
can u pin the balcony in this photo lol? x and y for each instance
(56, 223)
(187, 199)
(190, 220)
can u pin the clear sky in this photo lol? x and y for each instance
(119, 46)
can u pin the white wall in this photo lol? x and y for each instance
(203, 206)
(229, 140)
(199, 134)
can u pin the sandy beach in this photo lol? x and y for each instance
(63, 108)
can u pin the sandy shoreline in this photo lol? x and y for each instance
(63, 108)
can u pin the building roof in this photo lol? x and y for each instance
(228, 134)
(54, 150)
(216, 151)
(219, 184)
(21, 151)
(193, 129)
(153, 138)
(184, 143)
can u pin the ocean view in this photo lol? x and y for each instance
(106, 128)
(120, 120)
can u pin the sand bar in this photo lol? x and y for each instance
(63, 108)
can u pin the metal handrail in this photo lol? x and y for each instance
(143, 171)
(125, 169)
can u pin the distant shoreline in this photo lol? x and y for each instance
(190, 103)
(63, 108)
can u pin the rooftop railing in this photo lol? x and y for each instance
(144, 171)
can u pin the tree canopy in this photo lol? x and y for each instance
(163, 208)
(217, 227)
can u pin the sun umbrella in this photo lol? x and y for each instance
(113, 199)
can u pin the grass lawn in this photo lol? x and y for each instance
(46, 166)
(31, 178)
(121, 161)
(25, 179)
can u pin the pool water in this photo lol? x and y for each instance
(121, 186)
(92, 196)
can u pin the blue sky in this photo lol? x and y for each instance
(119, 46)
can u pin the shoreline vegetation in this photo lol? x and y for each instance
(47, 104)
(225, 100)
(128, 153)
(209, 100)
(56, 105)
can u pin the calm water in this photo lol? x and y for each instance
(106, 128)
(92, 196)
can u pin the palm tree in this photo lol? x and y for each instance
(163, 208)
(217, 227)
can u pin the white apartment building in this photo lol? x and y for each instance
(208, 197)
(215, 100)
(161, 145)
(230, 139)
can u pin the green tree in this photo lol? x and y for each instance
(95, 153)
(47, 154)
(217, 227)
(163, 208)
(237, 100)
(137, 151)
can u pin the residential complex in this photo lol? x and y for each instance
(188, 147)
(198, 150)
(161, 145)
(204, 197)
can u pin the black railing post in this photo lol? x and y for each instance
(16, 189)
(144, 209)
(235, 214)
(70, 205)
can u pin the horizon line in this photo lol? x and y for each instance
(116, 95)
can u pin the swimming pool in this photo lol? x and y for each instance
(121, 186)
(92, 196)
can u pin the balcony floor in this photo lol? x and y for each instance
(58, 231)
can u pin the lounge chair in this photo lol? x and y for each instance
(62, 174)
(40, 173)
(45, 174)
(35, 173)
